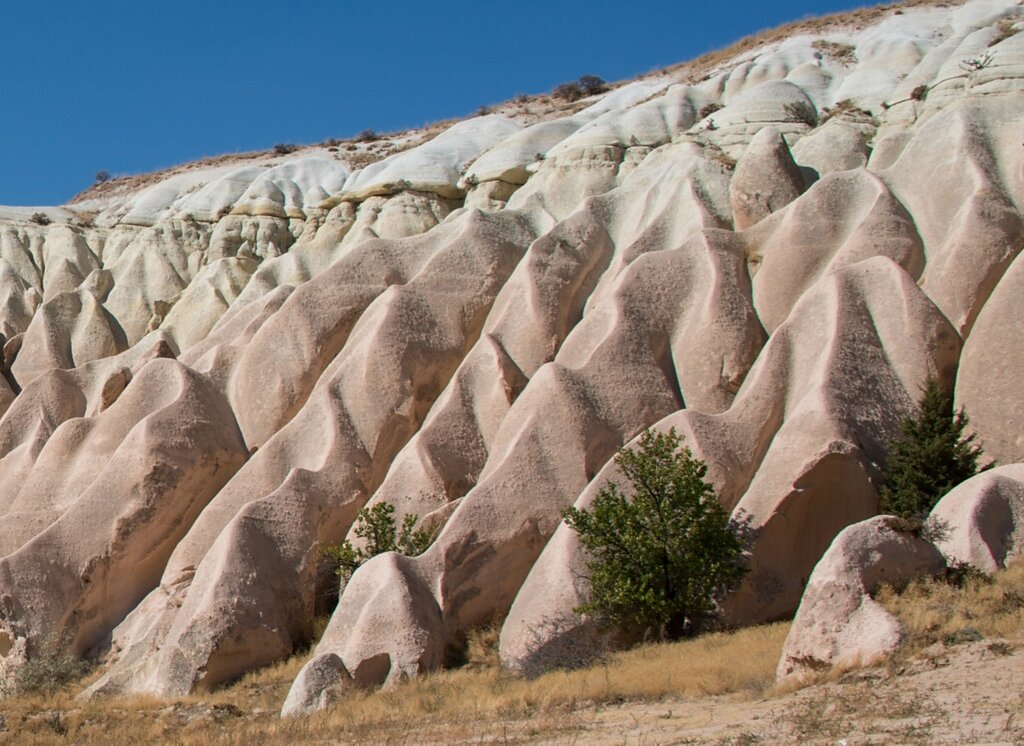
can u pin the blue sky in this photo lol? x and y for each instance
(132, 86)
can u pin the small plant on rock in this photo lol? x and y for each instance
(931, 456)
(40, 218)
(586, 85)
(660, 558)
(46, 672)
(568, 92)
(376, 527)
(591, 85)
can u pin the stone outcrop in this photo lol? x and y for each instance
(839, 623)
(982, 521)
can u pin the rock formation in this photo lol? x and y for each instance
(207, 372)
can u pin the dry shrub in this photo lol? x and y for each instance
(939, 611)
(1004, 30)
(845, 109)
(844, 54)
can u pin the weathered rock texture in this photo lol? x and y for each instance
(205, 378)
(839, 623)
(983, 519)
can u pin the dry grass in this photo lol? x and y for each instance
(473, 702)
(701, 67)
(831, 713)
(844, 54)
(934, 611)
(1004, 30)
(845, 109)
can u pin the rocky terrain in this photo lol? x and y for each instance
(208, 373)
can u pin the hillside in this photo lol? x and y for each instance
(209, 371)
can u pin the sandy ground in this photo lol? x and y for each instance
(970, 693)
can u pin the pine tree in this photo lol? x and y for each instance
(930, 457)
(660, 558)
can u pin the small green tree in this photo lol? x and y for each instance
(376, 525)
(661, 558)
(930, 457)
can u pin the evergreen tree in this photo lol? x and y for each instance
(930, 457)
(661, 557)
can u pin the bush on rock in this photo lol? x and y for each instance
(376, 526)
(931, 456)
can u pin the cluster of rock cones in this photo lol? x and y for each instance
(206, 379)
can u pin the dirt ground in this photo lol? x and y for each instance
(970, 693)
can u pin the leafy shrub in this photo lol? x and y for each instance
(47, 672)
(930, 457)
(102, 177)
(284, 148)
(376, 525)
(661, 558)
(40, 218)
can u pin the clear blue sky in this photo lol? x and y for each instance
(132, 86)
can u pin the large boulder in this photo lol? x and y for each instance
(839, 623)
(982, 520)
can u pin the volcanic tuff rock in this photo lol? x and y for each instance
(207, 374)
(839, 623)
(978, 523)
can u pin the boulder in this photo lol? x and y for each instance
(982, 520)
(319, 684)
(838, 622)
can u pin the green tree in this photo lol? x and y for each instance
(376, 525)
(661, 557)
(930, 456)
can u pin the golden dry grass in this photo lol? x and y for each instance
(934, 611)
(698, 68)
(469, 703)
